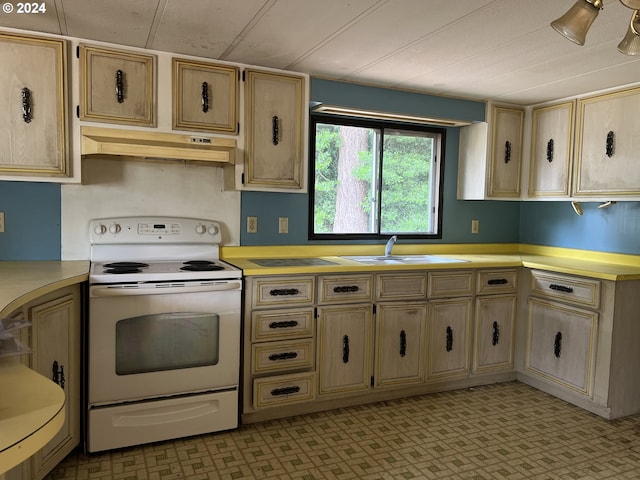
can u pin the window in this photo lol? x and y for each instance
(373, 179)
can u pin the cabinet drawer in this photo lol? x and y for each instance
(449, 284)
(496, 281)
(400, 286)
(280, 356)
(283, 291)
(583, 291)
(282, 324)
(284, 389)
(345, 288)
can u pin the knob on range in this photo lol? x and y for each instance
(100, 229)
(115, 228)
(201, 229)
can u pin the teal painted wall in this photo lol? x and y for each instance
(32, 221)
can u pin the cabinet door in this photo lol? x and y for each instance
(448, 337)
(344, 348)
(551, 151)
(33, 106)
(400, 344)
(117, 86)
(275, 116)
(608, 141)
(56, 346)
(506, 152)
(561, 344)
(205, 97)
(494, 332)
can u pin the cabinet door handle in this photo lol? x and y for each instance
(57, 371)
(507, 151)
(284, 324)
(403, 343)
(274, 357)
(27, 116)
(205, 97)
(345, 349)
(550, 150)
(346, 289)
(610, 145)
(285, 391)
(496, 334)
(560, 288)
(275, 129)
(497, 281)
(120, 86)
(557, 344)
(449, 344)
(284, 291)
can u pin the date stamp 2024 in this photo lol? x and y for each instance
(24, 7)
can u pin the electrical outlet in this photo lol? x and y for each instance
(1, 222)
(475, 226)
(283, 224)
(252, 224)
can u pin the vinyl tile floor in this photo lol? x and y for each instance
(502, 431)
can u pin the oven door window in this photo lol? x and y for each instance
(167, 341)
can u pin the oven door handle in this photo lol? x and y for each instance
(161, 288)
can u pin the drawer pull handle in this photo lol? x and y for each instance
(275, 129)
(282, 356)
(609, 147)
(497, 281)
(205, 97)
(557, 345)
(496, 334)
(26, 105)
(449, 344)
(346, 289)
(57, 373)
(120, 86)
(284, 324)
(507, 151)
(284, 391)
(278, 292)
(550, 150)
(403, 343)
(345, 349)
(560, 288)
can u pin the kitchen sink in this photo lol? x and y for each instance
(401, 259)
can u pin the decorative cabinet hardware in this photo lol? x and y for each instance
(275, 130)
(449, 340)
(560, 288)
(497, 281)
(609, 147)
(26, 105)
(205, 97)
(346, 289)
(285, 391)
(345, 349)
(550, 150)
(58, 374)
(119, 86)
(403, 343)
(284, 291)
(284, 324)
(557, 344)
(282, 356)
(495, 337)
(507, 151)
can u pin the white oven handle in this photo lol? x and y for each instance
(163, 288)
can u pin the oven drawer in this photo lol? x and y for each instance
(346, 288)
(282, 324)
(289, 291)
(282, 356)
(284, 389)
(578, 290)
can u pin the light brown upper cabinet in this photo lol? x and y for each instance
(117, 86)
(551, 150)
(607, 141)
(33, 106)
(205, 97)
(275, 120)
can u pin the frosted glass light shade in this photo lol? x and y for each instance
(630, 44)
(575, 24)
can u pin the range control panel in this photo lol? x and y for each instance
(153, 230)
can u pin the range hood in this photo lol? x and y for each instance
(101, 142)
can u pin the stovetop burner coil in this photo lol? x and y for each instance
(200, 266)
(124, 267)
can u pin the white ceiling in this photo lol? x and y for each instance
(484, 49)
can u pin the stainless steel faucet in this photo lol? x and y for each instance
(389, 246)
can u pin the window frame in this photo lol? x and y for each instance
(316, 118)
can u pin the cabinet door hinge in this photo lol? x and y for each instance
(243, 76)
(315, 313)
(78, 111)
(242, 178)
(374, 309)
(372, 380)
(78, 51)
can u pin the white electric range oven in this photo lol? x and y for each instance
(163, 333)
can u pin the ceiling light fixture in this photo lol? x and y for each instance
(607, 204)
(575, 24)
(577, 207)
